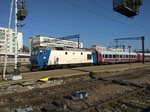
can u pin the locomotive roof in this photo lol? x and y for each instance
(62, 48)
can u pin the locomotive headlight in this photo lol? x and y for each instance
(44, 57)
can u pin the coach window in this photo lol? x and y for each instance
(89, 56)
(106, 56)
(110, 56)
(133, 56)
(66, 53)
(81, 53)
(114, 56)
(103, 56)
(117, 56)
(121, 56)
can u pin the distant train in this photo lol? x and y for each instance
(45, 58)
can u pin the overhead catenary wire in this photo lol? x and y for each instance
(110, 11)
(90, 11)
(103, 16)
(44, 23)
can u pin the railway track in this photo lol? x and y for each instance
(38, 96)
(135, 101)
(41, 98)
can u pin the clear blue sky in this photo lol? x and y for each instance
(94, 20)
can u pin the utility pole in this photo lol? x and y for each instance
(143, 55)
(19, 15)
(16, 75)
(136, 38)
(6, 39)
(129, 55)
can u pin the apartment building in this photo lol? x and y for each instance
(10, 40)
(41, 41)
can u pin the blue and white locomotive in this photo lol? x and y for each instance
(59, 57)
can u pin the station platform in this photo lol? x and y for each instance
(69, 72)
(82, 70)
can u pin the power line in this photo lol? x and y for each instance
(41, 29)
(45, 24)
(100, 15)
(99, 5)
(110, 11)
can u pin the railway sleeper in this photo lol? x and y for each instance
(133, 105)
(121, 82)
(122, 108)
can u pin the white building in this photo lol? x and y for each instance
(37, 41)
(11, 40)
(101, 48)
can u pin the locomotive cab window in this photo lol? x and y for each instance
(32, 53)
(40, 52)
(36, 52)
(89, 56)
(44, 52)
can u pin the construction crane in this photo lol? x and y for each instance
(134, 38)
(71, 37)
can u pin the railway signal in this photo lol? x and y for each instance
(22, 12)
(129, 8)
(20, 15)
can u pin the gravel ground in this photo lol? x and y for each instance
(98, 93)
